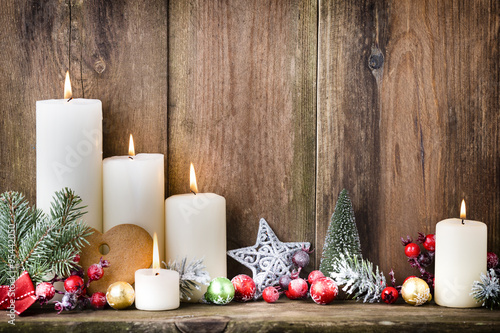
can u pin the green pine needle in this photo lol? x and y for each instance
(40, 244)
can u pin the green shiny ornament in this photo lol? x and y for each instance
(220, 291)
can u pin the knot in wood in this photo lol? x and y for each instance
(376, 61)
(100, 66)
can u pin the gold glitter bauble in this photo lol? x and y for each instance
(415, 291)
(120, 295)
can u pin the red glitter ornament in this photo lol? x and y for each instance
(297, 289)
(324, 291)
(244, 288)
(314, 275)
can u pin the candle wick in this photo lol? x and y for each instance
(193, 192)
(70, 99)
(131, 158)
(463, 221)
(157, 274)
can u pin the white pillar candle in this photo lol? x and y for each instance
(156, 289)
(69, 153)
(196, 228)
(133, 192)
(461, 249)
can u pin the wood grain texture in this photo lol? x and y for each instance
(242, 108)
(33, 58)
(429, 132)
(120, 56)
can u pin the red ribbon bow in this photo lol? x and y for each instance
(20, 297)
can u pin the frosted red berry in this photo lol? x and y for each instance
(297, 289)
(45, 291)
(270, 294)
(98, 300)
(324, 290)
(389, 295)
(314, 275)
(412, 250)
(95, 272)
(492, 260)
(244, 288)
(430, 242)
(76, 259)
(409, 277)
(74, 284)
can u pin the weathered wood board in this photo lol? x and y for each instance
(279, 104)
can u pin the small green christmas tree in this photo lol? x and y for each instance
(43, 245)
(342, 236)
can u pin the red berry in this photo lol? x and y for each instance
(297, 289)
(76, 259)
(389, 295)
(430, 242)
(412, 250)
(492, 260)
(74, 284)
(95, 272)
(45, 291)
(98, 300)
(244, 288)
(314, 275)
(409, 277)
(270, 294)
(300, 258)
(324, 291)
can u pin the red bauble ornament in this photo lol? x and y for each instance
(98, 300)
(45, 291)
(430, 242)
(324, 291)
(492, 260)
(270, 294)
(297, 289)
(74, 284)
(389, 295)
(314, 275)
(244, 288)
(412, 250)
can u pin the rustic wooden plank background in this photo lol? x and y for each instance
(279, 104)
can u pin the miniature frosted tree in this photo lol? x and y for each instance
(342, 236)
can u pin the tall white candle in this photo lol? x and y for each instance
(156, 289)
(133, 192)
(69, 153)
(196, 228)
(461, 249)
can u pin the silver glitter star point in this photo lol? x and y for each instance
(268, 259)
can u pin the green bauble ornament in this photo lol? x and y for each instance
(220, 291)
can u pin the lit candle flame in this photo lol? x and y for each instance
(192, 180)
(131, 150)
(462, 210)
(156, 255)
(67, 87)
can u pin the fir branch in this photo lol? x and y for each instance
(487, 290)
(358, 278)
(44, 245)
(190, 276)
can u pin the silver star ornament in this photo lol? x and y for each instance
(269, 258)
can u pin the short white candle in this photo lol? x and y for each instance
(196, 228)
(134, 192)
(156, 289)
(69, 152)
(461, 249)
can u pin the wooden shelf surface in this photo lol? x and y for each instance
(283, 316)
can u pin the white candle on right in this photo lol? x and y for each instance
(196, 228)
(461, 257)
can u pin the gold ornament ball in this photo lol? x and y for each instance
(415, 291)
(120, 295)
